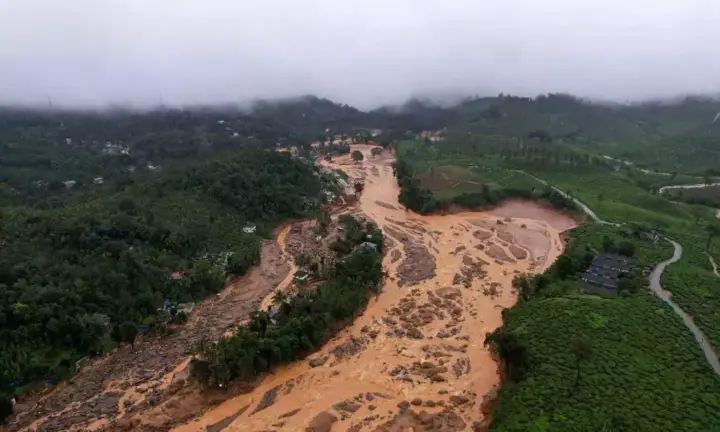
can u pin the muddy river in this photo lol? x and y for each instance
(420, 342)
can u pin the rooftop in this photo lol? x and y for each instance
(604, 273)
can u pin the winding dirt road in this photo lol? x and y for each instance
(416, 354)
(665, 296)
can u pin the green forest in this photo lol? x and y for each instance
(76, 279)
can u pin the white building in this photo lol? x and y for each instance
(249, 228)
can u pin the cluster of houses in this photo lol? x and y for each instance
(604, 274)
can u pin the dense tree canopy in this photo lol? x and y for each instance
(76, 278)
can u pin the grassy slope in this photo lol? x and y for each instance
(615, 196)
(448, 175)
(612, 197)
(646, 374)
(672, 137)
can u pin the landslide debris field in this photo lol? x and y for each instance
(415, 357)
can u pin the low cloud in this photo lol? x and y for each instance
(369, 53)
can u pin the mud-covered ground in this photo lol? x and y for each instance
(415, 359)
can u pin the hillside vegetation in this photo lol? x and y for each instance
(302, 321)
(104, 216)
(646, 372)
(601, 363)
(76, 279)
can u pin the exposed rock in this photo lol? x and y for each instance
(395, 255)
(498, 254)
(318, 361)
(482, 234)
(350, 348)
(418, 265)
(518, 252)
(461, 366)
(384, 204)
(414, 333)
(321, 423)
(347, 407)
(407, 420)
(290, 413)
(459, 399)
(268, 399)
(224, 423)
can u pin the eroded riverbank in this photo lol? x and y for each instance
(416, 355)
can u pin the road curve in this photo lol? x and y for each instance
(655, 277)
(665, 296)
(584, 207)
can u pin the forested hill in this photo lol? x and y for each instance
(76, 279)
(53, 153)
(682, 135)
(45, 154)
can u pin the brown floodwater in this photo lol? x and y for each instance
(372, 366)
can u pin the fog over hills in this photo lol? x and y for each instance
(86, 53)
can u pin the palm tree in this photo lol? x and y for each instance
(582, 351)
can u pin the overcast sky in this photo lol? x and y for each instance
(364, 52)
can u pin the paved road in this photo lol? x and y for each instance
(665, 296)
